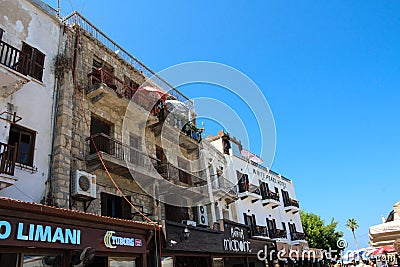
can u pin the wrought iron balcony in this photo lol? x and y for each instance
(8, 158)
(247, 190)
(270, 199)
(18, 64)
(118, 157)
(278, 233)
(260, 231)
(297, 236)
(291, 205)
(222, 187)
(181, 176)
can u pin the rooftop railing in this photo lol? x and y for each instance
(76, 19)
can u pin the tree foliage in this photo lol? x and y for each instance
(319, 235)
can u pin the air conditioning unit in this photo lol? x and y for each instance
(83, 185)
(202, 218)
(187, 222)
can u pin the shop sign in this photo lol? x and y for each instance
(113, 241)
(32, 233)
(236, 238)
(40, 233)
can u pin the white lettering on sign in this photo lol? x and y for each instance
(4, 234)
(41, 233)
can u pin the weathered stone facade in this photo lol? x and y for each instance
(79, 103)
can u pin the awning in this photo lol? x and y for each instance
(251, 156)
(384, 234)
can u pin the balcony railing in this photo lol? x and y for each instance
(278, 233)
(297, 236)
(291, 203)
(118, 150)
(12, 57)
(120, 87)
(8, 157)
(260, 231)
(224, 185)
(76, 19)
(171, 172)
(272, 195)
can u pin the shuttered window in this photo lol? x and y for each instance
(31, 62)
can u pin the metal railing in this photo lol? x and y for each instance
(270, 195)
(297, 236)
(260, 231)
(278, 233)
(247, 187)
(103, 76)
(291, 203)
(223, 184)
(76, 19)
(171, 172)
(8, 157)
(118, 150)
(12, 57)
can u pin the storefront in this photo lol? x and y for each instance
(231, 246)
(36, 235)
(298, 254)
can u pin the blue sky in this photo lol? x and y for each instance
(330, 71)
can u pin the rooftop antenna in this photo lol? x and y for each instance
(58, 9)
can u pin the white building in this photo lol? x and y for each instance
(29, 38)
(388, 231)
(266, 200)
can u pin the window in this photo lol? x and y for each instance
(184, 176)
(103, 72)
(25, 139)
(1, 33)
(115, 206)
(285, 196)
(31, 62)
(243, 180)
(134, 152)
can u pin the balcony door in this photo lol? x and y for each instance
(285, 196)
(292, 229)
(271, 224)
(243, 182)
(100, 131)
(264, 190)
(250, 220)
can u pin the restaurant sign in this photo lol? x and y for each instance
(236, 238)
(33, 233)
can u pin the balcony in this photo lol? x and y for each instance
(249, 191)
(105, 89)
(118, 157)
(8, 157)
(181, 176)
(297, 236)
(291, 205)
(222, 187)
(271, 199)
(180, 130)
(12, 69)
(260, 231)
(278, 233)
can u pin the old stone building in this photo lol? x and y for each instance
(145, 144)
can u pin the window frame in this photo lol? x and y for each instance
(31, 65)
(31, 152)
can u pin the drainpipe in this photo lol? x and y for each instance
(49, 195)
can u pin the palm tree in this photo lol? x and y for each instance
(352, 225)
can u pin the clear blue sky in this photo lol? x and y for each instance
(329, 69)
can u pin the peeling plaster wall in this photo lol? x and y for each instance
(23, 21)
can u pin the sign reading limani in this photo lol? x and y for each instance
(41, 233)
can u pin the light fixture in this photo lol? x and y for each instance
(186, 234)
